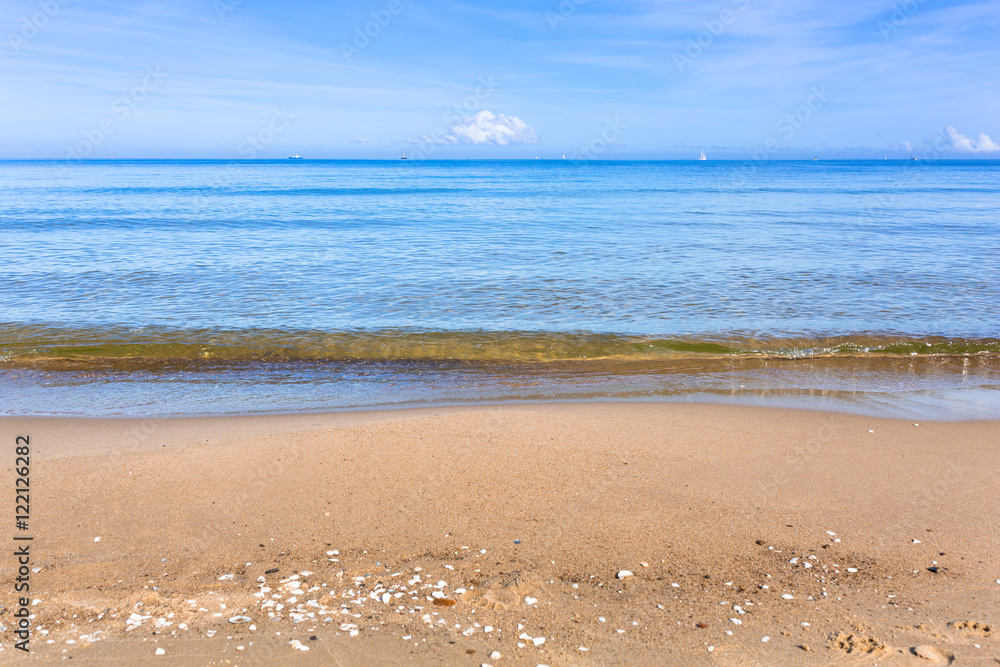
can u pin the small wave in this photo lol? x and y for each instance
(86, 346)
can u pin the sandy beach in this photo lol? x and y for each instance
(555, 534)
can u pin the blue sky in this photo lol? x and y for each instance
(617, 79)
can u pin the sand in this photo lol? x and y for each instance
(753, 535)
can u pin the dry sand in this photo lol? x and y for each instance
(721, 513)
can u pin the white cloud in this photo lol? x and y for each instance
(963, 143)
(487, 127)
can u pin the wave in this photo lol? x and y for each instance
(26, 346)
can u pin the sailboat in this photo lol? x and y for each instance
(402, 156)
(703, 156)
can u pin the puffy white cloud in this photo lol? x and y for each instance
(487, 127)
(963, 143)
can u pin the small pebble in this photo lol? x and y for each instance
(787, 596)
(765, 639)
(159, 651)
(495, 655)
(623, 573)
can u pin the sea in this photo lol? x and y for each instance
(190, 287)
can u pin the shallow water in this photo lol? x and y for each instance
(173, 287)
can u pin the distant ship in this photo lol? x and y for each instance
(703, 156)
(295, 157)
(402, 156)
(913, 158)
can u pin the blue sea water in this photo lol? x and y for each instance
(173, 287)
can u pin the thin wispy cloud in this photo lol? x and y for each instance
(748, 70)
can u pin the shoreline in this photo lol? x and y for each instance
(791, 401)
(718, 499)
(751, 402)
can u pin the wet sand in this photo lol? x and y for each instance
(753, 536)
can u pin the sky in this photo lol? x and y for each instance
(611, 79)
